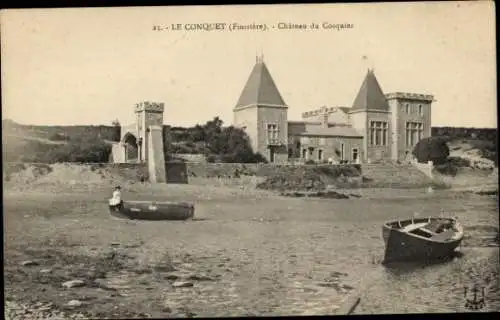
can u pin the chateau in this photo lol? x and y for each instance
(377, 126)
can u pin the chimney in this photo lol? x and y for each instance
(324, 117)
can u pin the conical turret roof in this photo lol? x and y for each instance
(370, 96)
(260, 89)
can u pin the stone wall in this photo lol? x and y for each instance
(117, 155)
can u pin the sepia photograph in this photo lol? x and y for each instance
(250, 160)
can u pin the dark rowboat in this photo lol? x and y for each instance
(421, 239)
(153, 210)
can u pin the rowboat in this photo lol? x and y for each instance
(153, 210)
(421, 239)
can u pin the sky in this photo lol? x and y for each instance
(78, 66)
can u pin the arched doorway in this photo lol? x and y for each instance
(131, 147)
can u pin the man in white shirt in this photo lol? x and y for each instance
(116, 200)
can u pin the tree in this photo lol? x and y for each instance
(197, 133)
(431, 149)
(230, 144)
(167, 140)
(212, 130)
(234, 145)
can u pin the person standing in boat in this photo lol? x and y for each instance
(116, 201)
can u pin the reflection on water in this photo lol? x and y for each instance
(401, 268)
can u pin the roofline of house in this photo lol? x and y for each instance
(330, 124)
(266, 105)
(368, 110)
(323, 110)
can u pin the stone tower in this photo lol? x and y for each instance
(263, 114)
(411, 121)
(147, 114)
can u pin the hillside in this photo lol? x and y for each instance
(30, 143)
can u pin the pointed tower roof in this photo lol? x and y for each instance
(260, 88)
(370, 95)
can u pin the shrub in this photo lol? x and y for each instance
(242, 156)
(226, 144)
(183, 148)
(211, 158)
(86, 152)
(459, 161)
(447, 168)
(431, 149)
(490, 155)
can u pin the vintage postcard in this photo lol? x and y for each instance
(257, 160)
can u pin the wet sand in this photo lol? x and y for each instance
(246, 253)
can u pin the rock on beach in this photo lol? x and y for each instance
(73, 284)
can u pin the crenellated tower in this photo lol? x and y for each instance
(147, 114)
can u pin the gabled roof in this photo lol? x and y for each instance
(370, 95)
(260, 88)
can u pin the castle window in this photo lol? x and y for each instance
(420, 129)
(272, 133)
(420, 110)
(304, 153)
(407, 108)
(378, 133)
(414, 133)
(320, 154)
(355, 155)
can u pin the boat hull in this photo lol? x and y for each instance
(401, 246)
(152, 210)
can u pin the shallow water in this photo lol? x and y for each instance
(275, 255)
(346, 236)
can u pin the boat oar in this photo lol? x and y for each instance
(353, 299)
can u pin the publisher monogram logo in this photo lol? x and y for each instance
(474, 297)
